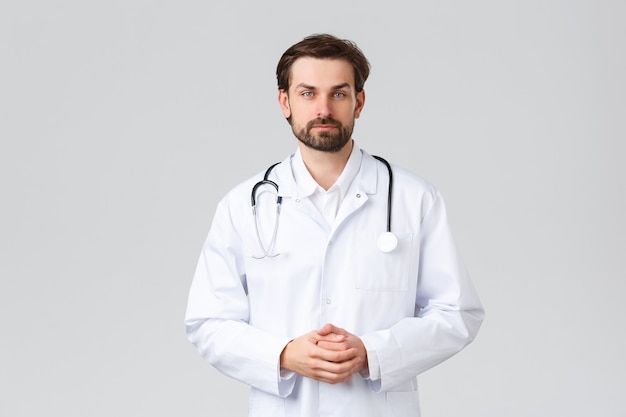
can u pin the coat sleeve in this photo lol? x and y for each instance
(448, 312)
(217, 315)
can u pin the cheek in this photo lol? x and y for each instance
(298, 115)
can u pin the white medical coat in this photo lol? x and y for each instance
(413, 307)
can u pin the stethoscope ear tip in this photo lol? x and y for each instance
(387, 242)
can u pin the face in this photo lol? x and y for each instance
(322, 104)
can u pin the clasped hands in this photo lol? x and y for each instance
(330, 354)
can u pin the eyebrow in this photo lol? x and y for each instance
(336, 87)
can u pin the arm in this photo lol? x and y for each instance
(217, 314)
(448, 312)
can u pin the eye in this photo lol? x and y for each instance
(339, 94)
(307, 94)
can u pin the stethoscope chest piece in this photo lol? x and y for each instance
(387, 242)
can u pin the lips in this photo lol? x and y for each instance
(324, 124)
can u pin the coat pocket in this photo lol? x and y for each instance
(384, 271)
(402, 404)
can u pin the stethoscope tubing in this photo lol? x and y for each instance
(265, 180)
(387, 242)
(389, 190)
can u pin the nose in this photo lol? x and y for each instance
(323, 106)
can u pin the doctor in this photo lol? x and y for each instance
(298, 301)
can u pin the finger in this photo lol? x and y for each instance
(335, 372)
(325, 330)
(331, 328)
(332, 337)
(333, 378)
(336, 345)
(335, 356)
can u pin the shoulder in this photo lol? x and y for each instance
(241, 193)
(407, 178)
(403, 178)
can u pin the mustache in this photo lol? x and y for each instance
(323, 121)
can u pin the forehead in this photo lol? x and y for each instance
(319, 72)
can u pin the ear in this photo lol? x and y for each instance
(283, 101)
(360, 102)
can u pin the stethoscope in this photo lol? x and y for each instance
(386, 242)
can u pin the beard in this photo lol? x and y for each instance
(327, 141)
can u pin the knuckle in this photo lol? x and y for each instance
(334, 379)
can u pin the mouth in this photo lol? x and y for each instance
(324, 123)
(324, 127)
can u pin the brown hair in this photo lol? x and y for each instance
(324, 46)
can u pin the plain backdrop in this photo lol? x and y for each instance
(122, 123)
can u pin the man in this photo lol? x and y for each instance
(297, 300)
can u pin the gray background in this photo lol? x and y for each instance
(123, 122)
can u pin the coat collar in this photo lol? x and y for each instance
(366, 179)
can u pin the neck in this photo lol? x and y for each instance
(325, 167)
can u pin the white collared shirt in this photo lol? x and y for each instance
(326, 201)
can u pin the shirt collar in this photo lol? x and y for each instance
(307, 185)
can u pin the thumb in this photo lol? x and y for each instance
(331, 328)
